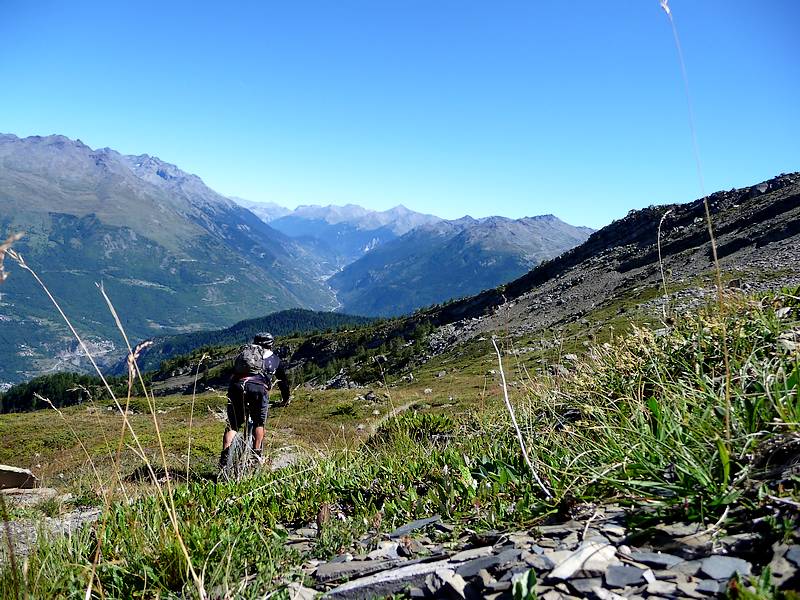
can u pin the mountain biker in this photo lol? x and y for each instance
(249, 394)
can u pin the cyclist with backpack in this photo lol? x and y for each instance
(255, 369)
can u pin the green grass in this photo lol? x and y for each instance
(640, 419)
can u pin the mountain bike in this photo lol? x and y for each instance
(242, 460)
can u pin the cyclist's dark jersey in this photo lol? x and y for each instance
(273, 367)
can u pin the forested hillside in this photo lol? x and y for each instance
(286, 322)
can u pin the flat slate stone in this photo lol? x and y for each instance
(300, 592)
(472, 567)
(661, 588)
(559, 530)
(520, 540)
(666, 575)
(390, 580)
(590, 557)
(619, 576)
(689, 567)
(793, 555)
(724, 567)
(350, 570)
(414, 525)
(612, 529)
(536, 549)
(510, 555)
(454, 584)
(485, 578)
(585, 585)
(604, 594)
(570, 541)
(538, 562)
(656, 559)
(28, 497)
(710, 586)
(689, 588)
(499, 586)
(466, 555)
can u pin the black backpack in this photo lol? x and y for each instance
(249, 361)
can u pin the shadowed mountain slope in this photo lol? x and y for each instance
(173, 254)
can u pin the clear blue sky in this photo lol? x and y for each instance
(450, 107)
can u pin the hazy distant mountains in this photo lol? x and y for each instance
(393, 262)
(266, 211)
(341, 234)
(175, 256)
(450, 259)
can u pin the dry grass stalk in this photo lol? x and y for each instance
(696, 149)
(80, 443)
(191, 413)
(102, 429)
(520, 438)
(12, 557)
(661, 264)
(171, 510)
(4, 248)
(168, 503)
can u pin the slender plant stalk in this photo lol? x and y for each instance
(696, 150)
(172, 511)
(191, 414)
(169, 505)
(106, 440)
(544, 489)
(661, 264)
(80, 443)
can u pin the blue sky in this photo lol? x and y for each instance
(449, 107)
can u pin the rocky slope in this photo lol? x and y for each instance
(592, 555)
(173, 254)
(757, 231)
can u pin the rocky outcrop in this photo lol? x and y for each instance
(14, 477)
(595, 555)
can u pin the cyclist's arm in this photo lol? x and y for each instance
(283, 383)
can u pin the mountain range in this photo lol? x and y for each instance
(392, 262)
(175, 256)
(341, 234)
(450, 259)
(172, 254)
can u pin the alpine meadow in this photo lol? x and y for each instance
(463, 301)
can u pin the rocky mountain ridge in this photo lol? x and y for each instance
(172, 253)
(757, 232)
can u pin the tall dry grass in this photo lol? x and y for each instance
(166, 495)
